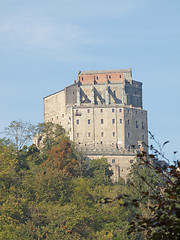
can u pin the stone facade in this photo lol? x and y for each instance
(102, 113)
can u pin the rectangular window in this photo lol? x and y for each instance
(89, 134)
(142, 125)
(120, 110)
(89, 121)
(128, 121)
(101, 110)
(102, 121)
(136, 124)
(128, 134)
(102, 134)
(77, 121)
(142, 137)
(88, 110)
(120, 120)
(113, 121)
(113, 134)
(112, 109)
(77, 134)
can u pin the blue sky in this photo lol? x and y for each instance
(44, 43)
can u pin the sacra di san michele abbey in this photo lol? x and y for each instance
(103, 114)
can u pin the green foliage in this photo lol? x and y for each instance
(99, 171)
(48, 193)
(160, 196)
(20, 133)
(49, 134)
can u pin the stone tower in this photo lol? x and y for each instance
(103, 114)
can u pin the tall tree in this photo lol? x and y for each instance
(161, 189)
(20, 133)
(48, 135)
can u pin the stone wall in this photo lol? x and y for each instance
(103, 115)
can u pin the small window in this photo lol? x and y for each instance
(57, 117)
(97, 78)
(136, 124)
(101, 142)
(82, 78)
(128, 121)
(119, 76)
(113, 134)
(109, 76)
(113, 121)
(112, 109)
(102, 134)
(128, 134)
(77, 134)
(120, 110)
(120, 120)
(142, 137)
(142, 125)
(131, 161)
(77, 121)
(113, 160)
(62, 115)
(79, 143)
(101, 110)
(128, 111)
(102, 121)
(89, 121)
(89, 134)
(88, 110)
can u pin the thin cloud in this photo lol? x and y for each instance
(51, 27)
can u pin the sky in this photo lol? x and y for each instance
(44, 43)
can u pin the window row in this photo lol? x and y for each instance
(101, 134)
(101, 121)
(113, 122)
(101, 110)
(113, 134)
(137, 124)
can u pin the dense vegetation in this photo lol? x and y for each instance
(53, 194)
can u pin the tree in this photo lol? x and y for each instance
(162, 218)
(63, 158)
(48, 135)
(20, 133)
(99, 171)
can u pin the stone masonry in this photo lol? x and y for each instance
(103, 114)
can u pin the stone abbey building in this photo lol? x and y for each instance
(103, 114)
